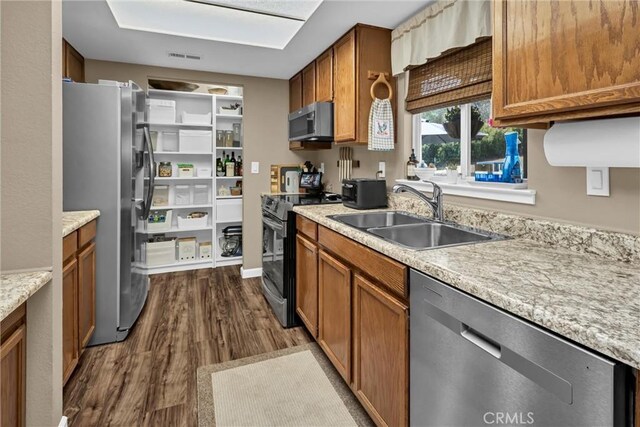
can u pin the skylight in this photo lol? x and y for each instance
(262, 23)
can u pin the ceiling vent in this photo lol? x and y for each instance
(184, 56)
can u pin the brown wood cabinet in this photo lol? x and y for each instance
(70, 353)
(324, 76)
(344, 102)
(309, 84)
(362, 317)
(380, 353)
(86, 294)
(307, 283)
(560, 60)
(13, 358)
(78, 295)
(72, 63)
(344, 74)
(295, 92)
(334, 306)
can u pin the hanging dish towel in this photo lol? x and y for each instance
(381, 125)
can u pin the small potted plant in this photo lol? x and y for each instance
(452, 122)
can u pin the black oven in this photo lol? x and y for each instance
(278, 266)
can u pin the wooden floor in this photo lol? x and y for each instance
(191, 319)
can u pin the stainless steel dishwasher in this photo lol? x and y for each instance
(473, 364)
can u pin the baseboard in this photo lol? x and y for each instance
(247, 273)
(63, 422)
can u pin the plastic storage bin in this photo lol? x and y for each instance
(159, 220)
(182, 195)
(161, 111)
(187, 249)
(160, 253)
(198, 119)
(185, 170)
(198, 141)
(229, 210)
(169, 141)
(201, 194)
(205, 250)
(186, 222)
(204, 172)
(160, 195)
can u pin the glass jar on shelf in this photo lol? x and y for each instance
(165, 170)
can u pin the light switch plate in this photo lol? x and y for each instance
(598, 181)
(255, 167)
(321, 167)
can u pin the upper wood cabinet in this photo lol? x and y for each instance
(560, 60)
(324, 76)
(295, 92)
(72, 63)
(343, 74)
(344, 107)
(309, 84)
(334, 306)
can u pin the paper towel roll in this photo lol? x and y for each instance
(597, 143)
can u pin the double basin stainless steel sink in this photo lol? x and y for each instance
(414, 232)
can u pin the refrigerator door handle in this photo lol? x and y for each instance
(152, 174)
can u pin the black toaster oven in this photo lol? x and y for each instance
(364, 193)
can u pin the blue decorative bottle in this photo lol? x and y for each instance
(511, 171)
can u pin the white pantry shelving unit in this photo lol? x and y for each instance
(222, 211)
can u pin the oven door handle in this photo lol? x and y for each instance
(274, 225)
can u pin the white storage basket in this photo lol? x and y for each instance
(197, 141)
(162, 222)
(161, 111)
(201, 194)
(184, 222)
(196, 119)
(182, 195)
(160, 253)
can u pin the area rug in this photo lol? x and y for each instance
(297, 386)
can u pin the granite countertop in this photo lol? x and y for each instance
(588, 299)
(73, 220)
(16, 288)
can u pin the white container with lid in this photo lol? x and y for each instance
(161, 111)
(182, 195)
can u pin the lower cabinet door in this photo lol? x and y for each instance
(334, 305)
(381, 350)
(69, 319)
(12, 378)
(86, 294)
(307, 283)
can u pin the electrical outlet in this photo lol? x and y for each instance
(382, 168)
(255, 167)
(321, 167)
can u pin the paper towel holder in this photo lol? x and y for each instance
(596, 145)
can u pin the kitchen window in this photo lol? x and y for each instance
(458, 141)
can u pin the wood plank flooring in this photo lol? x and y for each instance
(191, 319)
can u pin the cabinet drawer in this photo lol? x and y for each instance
(86, 233)
(307, 227)
(389, 272)
(229, 210)
(69, 245)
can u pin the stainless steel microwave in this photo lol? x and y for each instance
(312, 123)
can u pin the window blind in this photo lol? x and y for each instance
(456, 77)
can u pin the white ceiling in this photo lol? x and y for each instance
(91, 28)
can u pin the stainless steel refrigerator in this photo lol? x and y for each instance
(107, 155)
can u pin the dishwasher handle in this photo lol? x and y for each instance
(482, 341)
